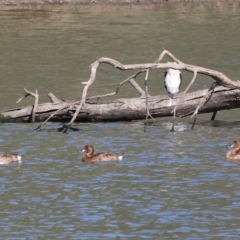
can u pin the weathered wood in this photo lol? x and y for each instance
(128, 108)
(35, 106)
(223, 94)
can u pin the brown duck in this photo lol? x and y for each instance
(90, 157)
(9, 158)
(235, 153)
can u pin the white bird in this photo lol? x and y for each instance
(172, 81)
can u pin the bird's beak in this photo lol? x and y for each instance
(231, 146)
(83, 150)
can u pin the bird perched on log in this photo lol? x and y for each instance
(172, 81)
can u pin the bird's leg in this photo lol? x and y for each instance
(173, 124)
(170, 100)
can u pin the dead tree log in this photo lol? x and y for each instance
(222, 94)
(127, 109)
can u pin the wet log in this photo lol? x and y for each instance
(222, 94)
(222, 98)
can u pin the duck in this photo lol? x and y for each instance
(172, 82)
(90, 157)
(235, 153)
(9, 158)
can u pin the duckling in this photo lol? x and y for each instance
(235, 153)
(90, 157)
(172, 81)
(9, 158)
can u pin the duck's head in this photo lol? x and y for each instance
(88, 149)
(236, 144)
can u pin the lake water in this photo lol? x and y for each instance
(168, 185)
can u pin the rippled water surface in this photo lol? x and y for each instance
(168, 185)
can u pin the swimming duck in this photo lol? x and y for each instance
(89, 155)
(9, 158)
(172, 81)
(235, 153)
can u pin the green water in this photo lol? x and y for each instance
(168, 185)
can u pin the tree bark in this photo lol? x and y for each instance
(222, 98)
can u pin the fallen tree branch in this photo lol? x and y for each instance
(203, 102)
(184, 104)
(205, 98)
(35, 106)
(126, 109)
(131, 80)
(146, 96)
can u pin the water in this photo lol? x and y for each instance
(168, 185)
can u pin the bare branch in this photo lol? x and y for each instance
(54, 99)
(219, 77)
(20, 99)
(205, 98)
(165, 52)
(35, 106)
(146, 94)
(131, 80)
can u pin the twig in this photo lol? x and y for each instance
(165, 52)
(20, 99)
(146, 94)
(205, 99)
